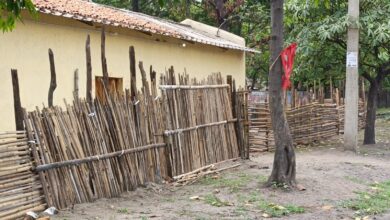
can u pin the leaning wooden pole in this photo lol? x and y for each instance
(104, 60)
(17, 103)
(89, 69)
(133, 78)
(53, 79)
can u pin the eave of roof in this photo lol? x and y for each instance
(106, 15)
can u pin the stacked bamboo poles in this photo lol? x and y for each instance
(122, 131)
(361, 116)
(199, 120)
(308, 124)
(20, 188)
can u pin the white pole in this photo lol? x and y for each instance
(352, 82)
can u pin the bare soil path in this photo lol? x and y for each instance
(330, 176)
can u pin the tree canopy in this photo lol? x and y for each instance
(10, 11)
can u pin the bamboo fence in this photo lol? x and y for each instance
(308, 123)
(20, 188)
(199, 121)
(87, 151)
(101, 147)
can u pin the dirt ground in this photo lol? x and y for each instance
(330, 176)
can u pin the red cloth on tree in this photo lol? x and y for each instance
(287, 56)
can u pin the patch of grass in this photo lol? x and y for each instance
(272, 209)
(123, 211)
(234, 184)
(262, 178)
(375, 201)
(275, 210)
(213, 200)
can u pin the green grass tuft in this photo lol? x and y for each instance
(272, 209)
(123, 211)
(376, 201)
(215, 201)
(234, 184)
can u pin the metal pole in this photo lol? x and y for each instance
(352, 79)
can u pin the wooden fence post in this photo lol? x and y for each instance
(17, 103)
(76, 84)
(133, 77)
(89, 69)
(53, 80)
(104, 60)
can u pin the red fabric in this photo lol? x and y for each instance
(287, 56)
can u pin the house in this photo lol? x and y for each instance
(63, 26)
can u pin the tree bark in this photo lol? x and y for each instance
(284, 167)
(188, 8)
(53, 80)
(89, 69)
(372, 103)
(17, 103)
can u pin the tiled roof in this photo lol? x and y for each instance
(93, 12)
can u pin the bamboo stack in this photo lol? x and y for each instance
(20, 188)
(200, 124)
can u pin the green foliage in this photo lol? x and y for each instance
(250, 20)
(376, 201)
(10, 11)
(320, 29)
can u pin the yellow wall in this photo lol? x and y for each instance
(26, 49)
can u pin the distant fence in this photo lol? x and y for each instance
(308, 123)
(384, 99)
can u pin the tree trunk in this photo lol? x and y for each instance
(372, 103)
(253, 82)
(135, 5)
(284, 167)
(220, 12)
(188, 8)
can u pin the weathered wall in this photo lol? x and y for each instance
(26, 49)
